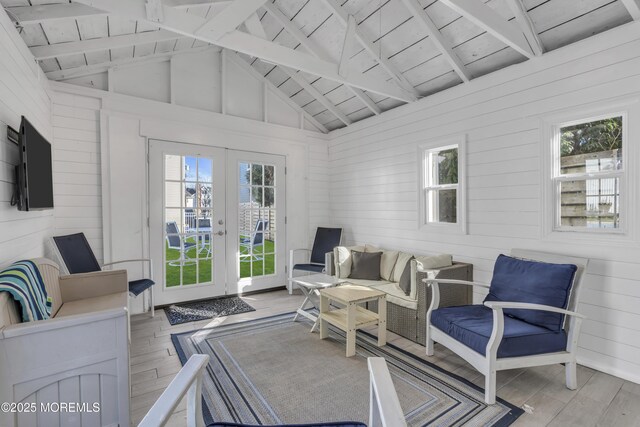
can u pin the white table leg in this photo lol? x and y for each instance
(324, 326)
(382, 321)
(301, 309)
(351, 329)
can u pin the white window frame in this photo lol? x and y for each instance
(425, 185)
(551, 212)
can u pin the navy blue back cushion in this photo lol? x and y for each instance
(76, 253)
(533, 282)
(326, 239)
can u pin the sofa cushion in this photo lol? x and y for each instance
(472, 326)
(398, 269)
(387, 262)
(396, 296)
(405, 279)
(342, 259)
(90, 305)
(534, 282)
(434, 261)
(365, 265)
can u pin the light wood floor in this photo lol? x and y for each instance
(601, 399)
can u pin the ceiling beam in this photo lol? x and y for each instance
(633, 6)
(298, 78)
(104, 66)
(445, 48)
(254, 26)
(346, 46)
(315, 50)
(93, 45)
(27, 15)
(491, 21)
(229, 18)
(243, 64)
(187, 24)
(526, 25)
(370, 47)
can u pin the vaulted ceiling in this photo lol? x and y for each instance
(341, 61)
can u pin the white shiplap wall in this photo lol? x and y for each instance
(76, 131)
(374, 179)
(22, 92)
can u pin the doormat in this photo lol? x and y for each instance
(207, 309)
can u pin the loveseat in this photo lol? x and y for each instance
(406, 309)
(80, 354)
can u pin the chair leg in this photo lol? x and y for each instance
(153, 312)
(571, 375)
(490, 387)
(429, 346)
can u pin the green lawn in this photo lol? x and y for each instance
(198, 266)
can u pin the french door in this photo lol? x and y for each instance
(216, 220)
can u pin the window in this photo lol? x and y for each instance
(588, 174)
(441, 195)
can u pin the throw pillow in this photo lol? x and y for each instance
(387, 262)
(342, 260)
(405, 278)
(435, 261)
(365, 265)
(398, 269)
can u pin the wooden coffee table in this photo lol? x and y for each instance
(353, 317)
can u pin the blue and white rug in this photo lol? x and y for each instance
(273, 371)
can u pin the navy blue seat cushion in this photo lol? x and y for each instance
(330, 424)
(472, 326)
(309, 267)
(136, 287)
(533, 282)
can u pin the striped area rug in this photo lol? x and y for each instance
(273, 371)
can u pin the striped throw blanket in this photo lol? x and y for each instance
(24, 282)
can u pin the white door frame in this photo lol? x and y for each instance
(237, 285)
(157, 151)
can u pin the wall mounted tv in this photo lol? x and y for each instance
(34, 174)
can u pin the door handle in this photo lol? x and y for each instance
(220, 233)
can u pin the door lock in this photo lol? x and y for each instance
(220, 233)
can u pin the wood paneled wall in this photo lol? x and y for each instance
(373, 170)
(22, 92)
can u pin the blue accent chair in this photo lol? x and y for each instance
(527, 319)
(176, 241)
(77, 257)
(325, 240)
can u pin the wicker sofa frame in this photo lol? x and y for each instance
(411, 324)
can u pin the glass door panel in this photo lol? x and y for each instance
(258, 256)
(187, 220)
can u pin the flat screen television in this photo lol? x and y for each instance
(34, 173)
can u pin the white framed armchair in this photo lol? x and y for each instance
(527, 319)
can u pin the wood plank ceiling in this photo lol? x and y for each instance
(419, 46)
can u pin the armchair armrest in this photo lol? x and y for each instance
(495, 305)
(498, 323)
(432, 282)
(149, 262)
(75, 287)
(188, 381)
(384, 406)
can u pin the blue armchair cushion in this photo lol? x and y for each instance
(317, 268)
(472, 326)
(518, 280)
(136, 287)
